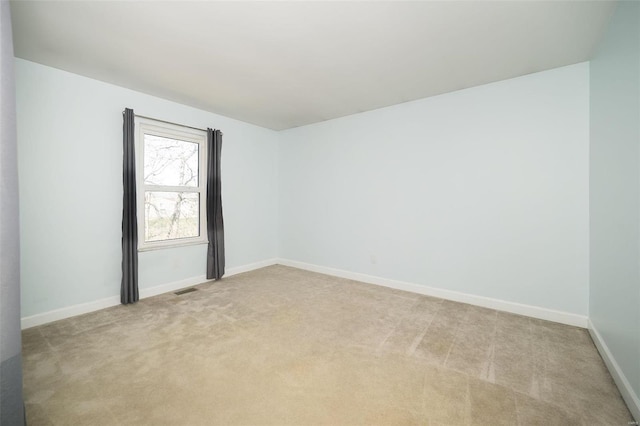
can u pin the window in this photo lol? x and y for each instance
(170, 168)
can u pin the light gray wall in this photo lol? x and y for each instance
(70, 158)
(11, 408)
(615, 191)
(482, 191)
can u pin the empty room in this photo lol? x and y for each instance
(320, 213)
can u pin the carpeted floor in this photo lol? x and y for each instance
(284, 346)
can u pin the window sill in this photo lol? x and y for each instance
(172, 245)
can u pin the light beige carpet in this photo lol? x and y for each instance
(284, 346)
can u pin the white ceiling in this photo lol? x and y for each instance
(287, 64)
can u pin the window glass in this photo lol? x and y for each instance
(171, 215)
(170, 162)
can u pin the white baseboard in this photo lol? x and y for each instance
(178, 285)
(250, 267)
(517, 308)
(486, 302)
(627, 392)
(172, 286)
(83, 308)
(68, 311)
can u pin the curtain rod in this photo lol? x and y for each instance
(175, 124)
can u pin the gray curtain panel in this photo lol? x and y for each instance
(215, 224)
(129, 287)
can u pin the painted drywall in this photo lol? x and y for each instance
(11, 406)
(614, 307)
(70, 165)
(482, 191)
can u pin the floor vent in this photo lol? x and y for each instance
(186, 290)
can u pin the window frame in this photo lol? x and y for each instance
(158, 128)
